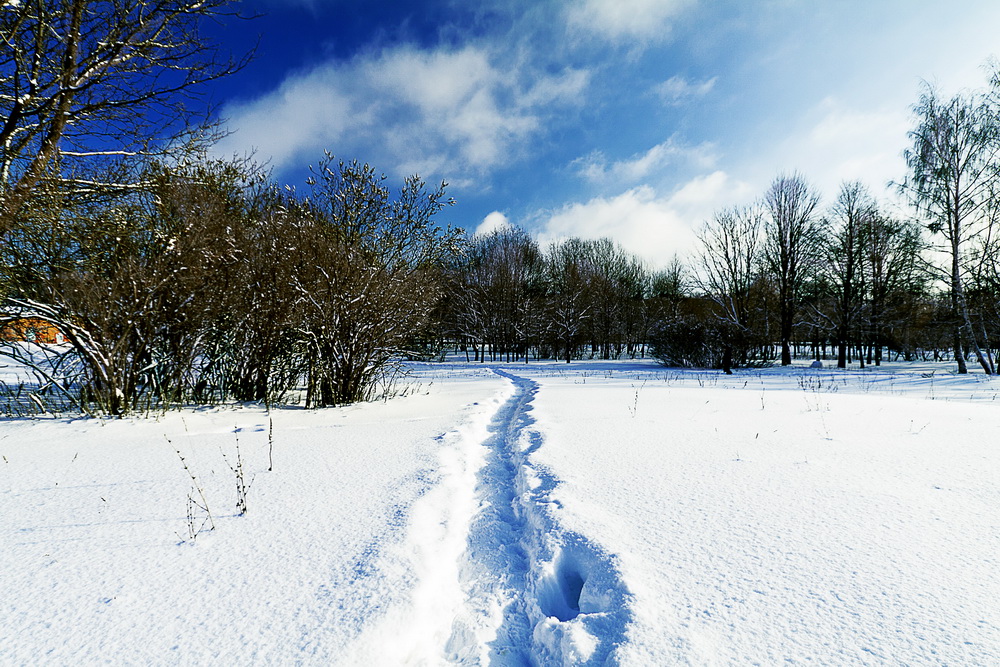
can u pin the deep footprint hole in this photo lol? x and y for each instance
(561, 596)
(572, 586)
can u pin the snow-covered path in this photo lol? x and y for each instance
(496, 626)
(538, 594)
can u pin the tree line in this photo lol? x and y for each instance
(214, 283)
(780, 276)
(769, 279)
(178, 278)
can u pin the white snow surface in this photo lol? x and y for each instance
(521, 514)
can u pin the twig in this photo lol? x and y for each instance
(192, 503)
(270, 444)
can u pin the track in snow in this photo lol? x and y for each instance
(538, 594)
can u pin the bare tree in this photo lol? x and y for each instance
(668, 288)
(730, 265)
(252, 350)
(86, 80)
(891, 265)
(984, 279)
(616, 285)
(497, 293)
(953, 167)
(790, 247)
(852, 213)
(568, 303)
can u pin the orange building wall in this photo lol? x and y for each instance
(33, 330)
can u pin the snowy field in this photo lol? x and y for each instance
(539, 514)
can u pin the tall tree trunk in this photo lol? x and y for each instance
(786, 336)
(965, 333)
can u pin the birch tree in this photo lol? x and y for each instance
(893, 276)
(953, 169)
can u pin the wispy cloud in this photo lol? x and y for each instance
(677, 90)
(597, 169)
(621, 21)
(854, 143)
(838, 141)
(411, 110)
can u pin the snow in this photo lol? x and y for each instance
(96, 567)
(543, 513)
(786, 525)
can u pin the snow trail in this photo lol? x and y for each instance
(427, 559)
(537, 593)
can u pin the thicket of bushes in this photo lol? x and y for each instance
(214, 284)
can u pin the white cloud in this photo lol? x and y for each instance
(677, 90)
(861, 144)
(838, 142)
(492, 222)
(647, 223)
(407, 110)
(850, 119)
(595, 167)
(624, 20)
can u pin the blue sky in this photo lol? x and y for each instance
(634, 119)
